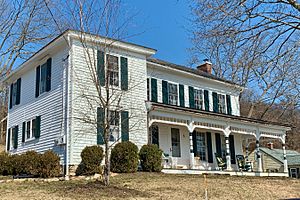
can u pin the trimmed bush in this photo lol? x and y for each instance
(124, 158)
(6, 167)
(150, 157)
(91, 158)
(49, 165)
(29, 163)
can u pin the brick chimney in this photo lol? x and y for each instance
(205, 67)
(270, 145)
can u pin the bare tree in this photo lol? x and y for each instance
(101, 94)
(253, 43)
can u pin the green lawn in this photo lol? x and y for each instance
(156, 186)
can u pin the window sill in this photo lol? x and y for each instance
(29, 140)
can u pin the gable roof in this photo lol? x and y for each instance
(293, 157)
(191, 70)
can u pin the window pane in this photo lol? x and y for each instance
(33, 128)
(113, 69)
(43, 78)
(175, 136)
(198, 98)
(114, 119)
(221, 99)
(201, 146)
(173, 94)
(28, 130)
(14, 94)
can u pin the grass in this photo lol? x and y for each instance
(156, 186)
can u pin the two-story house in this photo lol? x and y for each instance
(191, 114)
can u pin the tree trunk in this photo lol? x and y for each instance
(107, 165)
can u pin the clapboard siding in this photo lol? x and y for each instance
(133, 100)
(198, 83)
(268, 162)
(48, 105)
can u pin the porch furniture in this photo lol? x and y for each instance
(167, 160)
(220, 161)
(243, 164)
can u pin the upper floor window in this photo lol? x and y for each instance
(114, 121)
(15, 93)
(221, 103)
(113, 69)
(43, 78)
(198, 98)
(173, 94)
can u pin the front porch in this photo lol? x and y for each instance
(192, 140)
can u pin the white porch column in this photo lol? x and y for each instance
(285, 164)
(228, 158)
(247, 151)
(258, 156)
(192, 156)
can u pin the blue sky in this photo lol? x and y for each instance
(164, 24)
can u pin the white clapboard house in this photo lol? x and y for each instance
(192, 114)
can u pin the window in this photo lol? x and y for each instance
(12, 139)
(14, 94)
(200, 150)
(173, 94)
(43, 79)
(175, 137)
(198, 98)
(30, 129)
(114, 119)
(221, 103)
(293, 173)
(113, 69)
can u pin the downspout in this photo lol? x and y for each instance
(67, 111)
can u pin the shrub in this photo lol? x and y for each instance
(30, 162)
(124, 158)
(49, 165)
(91, 158)
(6, 167)
(150, 156)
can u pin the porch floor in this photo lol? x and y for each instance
(216, 172)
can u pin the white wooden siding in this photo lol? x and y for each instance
(83, 134)
(198, 83)
(48, 105)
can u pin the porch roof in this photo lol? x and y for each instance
(293, 157)
(220, 115)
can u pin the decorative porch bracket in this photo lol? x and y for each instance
(228, 158)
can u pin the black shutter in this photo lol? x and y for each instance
(16, 137)
(23, 132)
(228, 103)
(37, 127)
(165, 95)
(8, 140)
(124, 73)
(11, 95)
(206, 100)
(215, 102)
(48, 75)
(191, 97)
(124, 126)
(100, 125)
(153, 90)
(18, 97)
(100, 68)
(298, 172)
(181, 95)
(232, 149)
(194, 143)
(218, 144)
(37, 81)
(210, 158)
